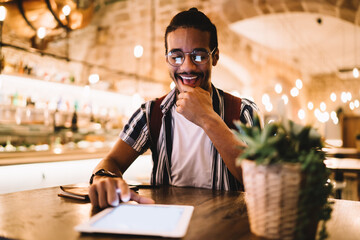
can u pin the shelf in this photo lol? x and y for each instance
(12, 158)
(47, 91)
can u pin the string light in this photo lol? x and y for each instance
(301, 114)
(321, 116)
(310, 105)
(333, 97)
(41, 32)
(269, 107)
(278, 88)
(356, 103)
(355, 72)
(285, 98)
(265, 98)
(298, 83)
(334, 117)
(351, 105)
(333, 114)
(343, 97)
(2, 13)
(138, 51)
(323, 106)
(348, 96)
(66, 10)
(294, 92)
(94, 78)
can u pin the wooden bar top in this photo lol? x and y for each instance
(41, 214)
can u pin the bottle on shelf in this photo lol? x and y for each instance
(74, 119)
(58, 118)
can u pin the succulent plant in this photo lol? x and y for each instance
(278, 142)
(287, 141)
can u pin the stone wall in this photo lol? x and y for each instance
(106, 46)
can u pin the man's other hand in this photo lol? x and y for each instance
(107, 191)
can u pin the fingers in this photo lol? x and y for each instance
(141, 199)
(179, 85)
(112, 195)
(93, 195)
(124, 191)
(110, 191)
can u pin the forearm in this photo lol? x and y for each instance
(110, 165)
(225, 142)
(118, 159)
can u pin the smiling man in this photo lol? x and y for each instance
(188, 130)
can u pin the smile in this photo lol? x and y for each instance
(189, 80)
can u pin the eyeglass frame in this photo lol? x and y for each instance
(196, 49)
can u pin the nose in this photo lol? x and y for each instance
(188, 65)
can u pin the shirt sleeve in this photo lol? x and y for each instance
(135, 132)
(248, 111)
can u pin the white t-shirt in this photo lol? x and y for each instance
(191, 157)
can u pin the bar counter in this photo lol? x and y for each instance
(41, 214)
(13, 158)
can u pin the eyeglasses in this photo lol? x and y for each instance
(177, 57)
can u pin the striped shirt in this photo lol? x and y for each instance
(136, 133)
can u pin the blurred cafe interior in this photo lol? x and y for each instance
(73, 72)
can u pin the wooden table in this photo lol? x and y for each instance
(339, 166)
(342, 152)
(41, 214)
(343, 164)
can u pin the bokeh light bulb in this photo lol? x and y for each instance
(278, 88)
(66, 10)
(301, 114)
(333, 97)
(41, 32)
(310, 105)
(2, 13)
(299, 83)
(138, 51)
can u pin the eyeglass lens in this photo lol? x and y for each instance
(177, 57)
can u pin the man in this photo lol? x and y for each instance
(194, 146)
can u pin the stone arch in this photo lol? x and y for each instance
(254, 57)
(348, 10)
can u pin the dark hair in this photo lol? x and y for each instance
(193, 18)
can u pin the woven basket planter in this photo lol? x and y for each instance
(272, 194)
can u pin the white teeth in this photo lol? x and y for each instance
(188, 78)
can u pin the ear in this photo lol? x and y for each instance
(215, 57)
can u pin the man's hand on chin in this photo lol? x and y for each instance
(195, 104)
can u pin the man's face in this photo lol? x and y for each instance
(187, 40)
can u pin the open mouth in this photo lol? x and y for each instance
(189, 80)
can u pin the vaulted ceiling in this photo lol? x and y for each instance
(305, 38)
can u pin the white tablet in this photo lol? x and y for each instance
(141, 219)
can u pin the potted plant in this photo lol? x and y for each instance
(285, 180)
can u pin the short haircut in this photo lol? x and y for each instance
(193, 18)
